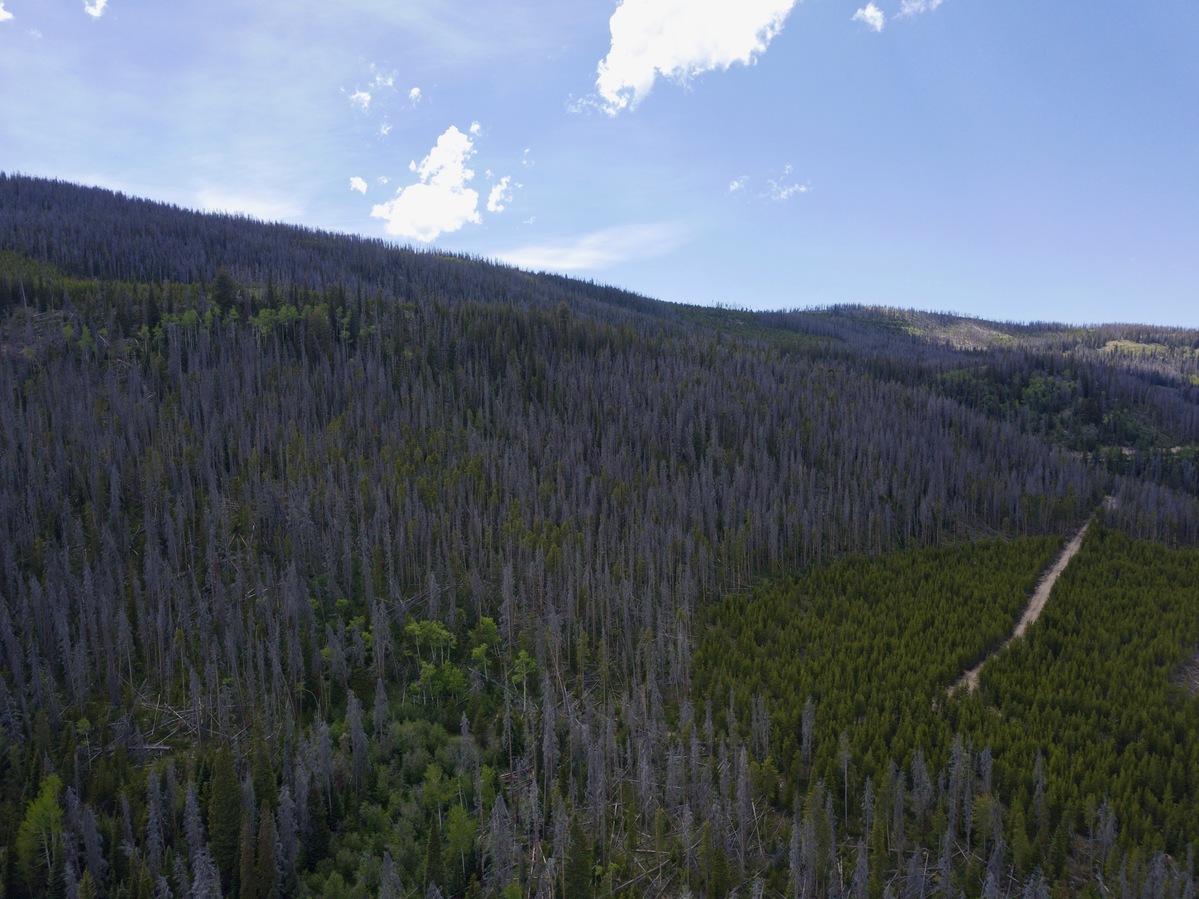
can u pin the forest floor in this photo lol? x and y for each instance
(1035, 606)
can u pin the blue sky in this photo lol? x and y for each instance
(1016, 160)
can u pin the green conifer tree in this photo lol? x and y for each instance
(267, 880)
(577, 871)
(433, 866)
(247, 882)
(224, 816)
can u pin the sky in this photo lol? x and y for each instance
(1019, 161)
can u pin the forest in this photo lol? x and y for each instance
(335, 568)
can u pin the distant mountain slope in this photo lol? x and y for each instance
(97, 233)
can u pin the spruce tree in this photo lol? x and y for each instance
(267, 880)
(577, 872)
(433, 866)
(224, 816)
(247, 883)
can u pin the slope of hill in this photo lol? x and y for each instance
(332, 568)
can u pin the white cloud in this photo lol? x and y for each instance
(95, 9)
(476, 129)
(358, 184)
(872, 16)
(501, 193)
(738, 184)
(913, 7)
(364, 98)
(679, 39)
(598, 249)
(440, 202)
(385, 129)
(786, 191)
(414, 96)
(382, 79)
(780, 191)
(5, 15)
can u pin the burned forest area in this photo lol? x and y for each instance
(333, 568)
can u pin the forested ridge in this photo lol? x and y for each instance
(334, 568)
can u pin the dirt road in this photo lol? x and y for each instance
(1036, 605)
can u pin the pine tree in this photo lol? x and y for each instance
(715, 864)
(247, 884)
(193, 826)
(206, 879)
(576, 877)
(878, 857)
(434, 875)
(265, 877)
(224, 816)
(154, 837)
(263, 772)
(358, 742)
(289, 844)
(224, 291)
(389, 880)
(1021, 848)
(861, 873)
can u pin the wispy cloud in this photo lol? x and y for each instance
(915, 7)
(382, 79)
(870, 15)
(780, 190)
(414, 96)
(440, 202)
(5, 15)
(501, 193)
(358, 184)
(599, 249)
(95, 9)
(777, 189)
(679, 39)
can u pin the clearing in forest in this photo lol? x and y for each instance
(1035, 606)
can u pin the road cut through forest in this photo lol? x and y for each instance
(1035, 606)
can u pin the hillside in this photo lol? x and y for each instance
(333, 568)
